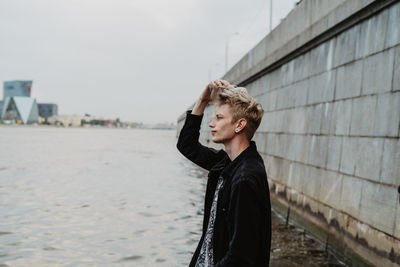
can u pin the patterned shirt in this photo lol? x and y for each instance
(205, 258)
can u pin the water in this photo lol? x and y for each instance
(111, 197)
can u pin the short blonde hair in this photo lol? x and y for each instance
(242, 106)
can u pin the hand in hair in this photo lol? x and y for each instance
(207, 95)
(212, 88)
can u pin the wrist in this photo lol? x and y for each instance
(199, 107)
(203, 100)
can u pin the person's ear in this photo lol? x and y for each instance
(241, 123)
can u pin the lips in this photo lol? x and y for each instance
(213, 132)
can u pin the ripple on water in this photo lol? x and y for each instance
(14, 244)
(49, 249)
(140, 232)
(6, 233)
(132, 258)
(147, 214)
(183, 218)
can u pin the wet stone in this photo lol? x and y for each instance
(292, 246)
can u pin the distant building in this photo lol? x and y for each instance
(17, 88)
(66, 120)
(47, 110)
(20, 109)
(17, 104)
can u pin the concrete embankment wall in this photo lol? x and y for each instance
(328, 78)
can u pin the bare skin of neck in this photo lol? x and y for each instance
(236, 145)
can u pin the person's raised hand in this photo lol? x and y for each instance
(212, 88)
(209, 93)
(221, 83)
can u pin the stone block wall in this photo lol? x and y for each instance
(330, 132)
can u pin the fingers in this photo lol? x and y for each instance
(211, 86)
(225, 83)
(220, 83)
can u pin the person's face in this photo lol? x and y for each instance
(222, 128)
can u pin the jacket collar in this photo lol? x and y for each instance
(227, 166)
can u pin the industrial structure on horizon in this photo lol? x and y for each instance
(18, 107)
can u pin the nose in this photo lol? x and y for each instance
(212, 124)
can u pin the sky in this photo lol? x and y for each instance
(137, 60)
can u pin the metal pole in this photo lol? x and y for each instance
(270, 15)
(226, 50)
(226, 54)
(210, 75)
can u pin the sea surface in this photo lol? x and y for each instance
(97, 197)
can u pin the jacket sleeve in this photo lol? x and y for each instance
(188, 144)
(245, 245)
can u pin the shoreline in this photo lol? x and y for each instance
(82, 127)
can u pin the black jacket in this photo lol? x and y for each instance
(242, 229)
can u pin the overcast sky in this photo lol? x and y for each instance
(139, 60)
